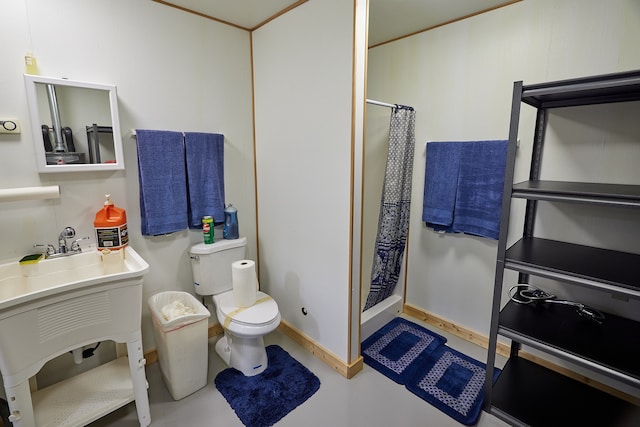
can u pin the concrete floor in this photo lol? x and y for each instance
(369, 399)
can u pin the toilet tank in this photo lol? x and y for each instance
(211, 264)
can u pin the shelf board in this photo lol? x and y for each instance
(606, 88)
(559, 330)
(579, 192)
(83, 398)
(605, 269)
(537, 396)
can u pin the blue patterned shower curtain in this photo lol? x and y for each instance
(393, 222)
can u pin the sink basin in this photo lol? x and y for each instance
(20, 283)
(57, 305)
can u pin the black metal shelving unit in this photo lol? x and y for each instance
(93, 140)
(528, 394)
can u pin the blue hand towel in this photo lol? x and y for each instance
(205, 176)
(161, 171)
(480, 188)
(441, 183)
(464, 182)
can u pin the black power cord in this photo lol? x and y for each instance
(88, 352)
(527, 294)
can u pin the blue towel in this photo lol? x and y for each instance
(480, 188)
(161, 171)
(441, 183)
(205, 176)
(477, 168)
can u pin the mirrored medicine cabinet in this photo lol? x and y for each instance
(75, 125)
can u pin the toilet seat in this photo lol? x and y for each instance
(263, 312)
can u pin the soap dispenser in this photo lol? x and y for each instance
(230, 230)
(110, 225)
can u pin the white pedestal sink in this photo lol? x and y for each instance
(57, 305)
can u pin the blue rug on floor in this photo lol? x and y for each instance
(263, 399)
(452, 382)
(399, 347)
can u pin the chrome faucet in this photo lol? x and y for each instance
(67, 233)
(63, 245)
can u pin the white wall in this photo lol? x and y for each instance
(181, 72)
(178, 71)
(459, 78)
(303, 91)
(173, 71)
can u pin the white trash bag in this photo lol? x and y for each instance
(180, 333)
(174, 309)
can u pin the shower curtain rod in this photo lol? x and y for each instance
(380, 103)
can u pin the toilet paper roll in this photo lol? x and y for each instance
(245, 282)
(29, 193)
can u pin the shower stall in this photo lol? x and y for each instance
(387, 171)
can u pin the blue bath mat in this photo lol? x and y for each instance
(452, 382)
(263, 399)
(397, 348)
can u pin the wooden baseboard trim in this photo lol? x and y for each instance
(504, 350)
(346, 370)
(151, 356)
(215, 329)
(454, 329)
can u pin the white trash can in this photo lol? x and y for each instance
(180, 329)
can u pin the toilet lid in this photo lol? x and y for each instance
(263, 311)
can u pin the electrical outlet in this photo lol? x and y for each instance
(9, 126)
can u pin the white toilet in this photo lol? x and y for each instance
(242, 346)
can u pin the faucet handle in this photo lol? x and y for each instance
(75, 245)
(49, 249)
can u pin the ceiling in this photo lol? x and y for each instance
(388, 19)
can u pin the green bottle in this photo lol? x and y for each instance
(207, 229)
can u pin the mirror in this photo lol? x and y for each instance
(75, 125)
